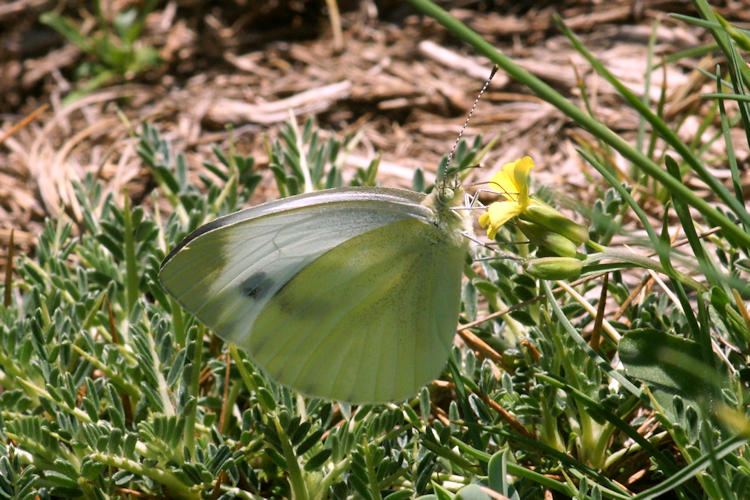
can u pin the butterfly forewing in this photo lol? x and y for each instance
(227, 270)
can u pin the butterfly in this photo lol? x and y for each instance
(348, 294)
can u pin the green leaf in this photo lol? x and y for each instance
(418, 181)
(497, 472)
(472, 492)
(670, 365)
(66, 29)
(318, 459)
(402, 495)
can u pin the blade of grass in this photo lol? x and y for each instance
(612, 489)
(739, 72)
(66, 29)
(659, 112)
(721, 96)
(736, 182)
(719, 33)
(662, 249)
(688, 227)
(689, 53)
(548, 451)
(646, 97)
(663, 129)
(691, 470)
(547, 93)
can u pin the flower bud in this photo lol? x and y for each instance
(553, 268)
(554, 242)
(546, 216)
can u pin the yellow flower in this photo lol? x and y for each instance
(513, 183)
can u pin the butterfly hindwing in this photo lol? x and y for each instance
(371, 320)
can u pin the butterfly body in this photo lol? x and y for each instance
(350, 294)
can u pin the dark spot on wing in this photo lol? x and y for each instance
(256, 286)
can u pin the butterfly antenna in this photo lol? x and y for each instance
(468, 117)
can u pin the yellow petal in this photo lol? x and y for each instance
(501, 212)
(484, 219)
(497, 214)
(520, 173)
(502, 183)
(513, 179)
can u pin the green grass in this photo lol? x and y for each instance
(111, 390)
(113, 47)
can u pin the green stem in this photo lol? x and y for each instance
(172, 483)
(35, 390)
(517, 470)
(646, 263)
(296, 480)
(548, 433)
(371, 474)
(197, 361)
(117, 379)
(586, 424)
(304, 167)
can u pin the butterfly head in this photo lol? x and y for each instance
(447, 195)
(442, 201)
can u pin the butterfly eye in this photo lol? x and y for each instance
(447, 194)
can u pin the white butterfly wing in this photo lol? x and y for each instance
(226, 271)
